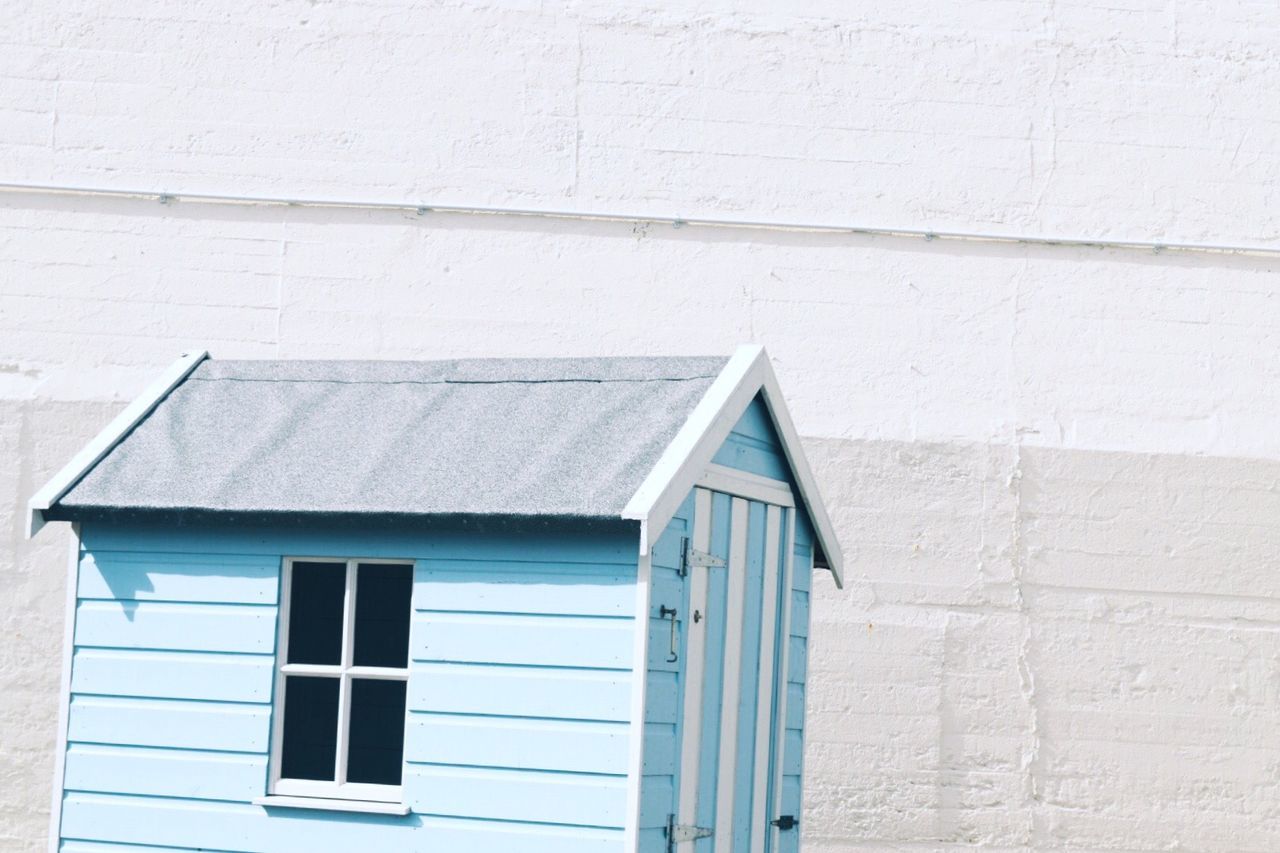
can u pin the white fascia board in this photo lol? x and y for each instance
(708, 425)
(103, 443)
(824, 530)
(748, 373)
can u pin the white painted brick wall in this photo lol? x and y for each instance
(1055, 470)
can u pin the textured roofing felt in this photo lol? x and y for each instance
(528, 437)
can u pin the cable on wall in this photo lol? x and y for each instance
(421, 209)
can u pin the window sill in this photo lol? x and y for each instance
(331, 805)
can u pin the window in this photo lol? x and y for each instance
(343, 673)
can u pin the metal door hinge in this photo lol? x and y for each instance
(690, 557)
(678, 833)
(787, 821)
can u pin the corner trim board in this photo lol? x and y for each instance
(64, 700)
(106, 440)
(639, 684)
(695, 671)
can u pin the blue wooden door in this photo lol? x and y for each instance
(731, 721)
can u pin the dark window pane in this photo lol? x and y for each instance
(315, 612)
(377, 731)
(310, 728)
(382, 614)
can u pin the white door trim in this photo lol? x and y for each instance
(695, 668)
(744, 484)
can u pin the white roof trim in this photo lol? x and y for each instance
(103, 443)
(747, 373)
(823, 529)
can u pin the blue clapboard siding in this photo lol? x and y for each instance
(579, 642)
(538, 657)
(229, 726)
(212, 578)
(572, 589)
(107, 847)
(753, 445)
(164, 772)
(247, 629)
(99, 847)
(579, 799)
(172, 675)
(521, 692)
(519, 743)
(208, 825)
(519, 695)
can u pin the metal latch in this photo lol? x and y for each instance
(690, 557)
(665, 612)
(678, 833)
(787, 821)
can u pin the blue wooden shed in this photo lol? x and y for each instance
(500, 606)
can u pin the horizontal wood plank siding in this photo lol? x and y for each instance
(172, 675)
(753, 445)
(209, 578)
(165, 772)
(108, 847)
(520, 691)
(229, 726)
(572, 642)
(518, 704)
(244, 629)
(521, 795)
(196, 824)
(575, 746)
(571, 589)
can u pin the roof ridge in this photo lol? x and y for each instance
(327, 381)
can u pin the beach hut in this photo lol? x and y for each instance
(493, 605)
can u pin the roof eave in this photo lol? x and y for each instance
(106, 440)
(747, 374)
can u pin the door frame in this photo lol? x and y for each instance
(776, 495)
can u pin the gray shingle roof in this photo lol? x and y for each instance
(508, 437)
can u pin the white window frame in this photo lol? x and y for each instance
(345, 670)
